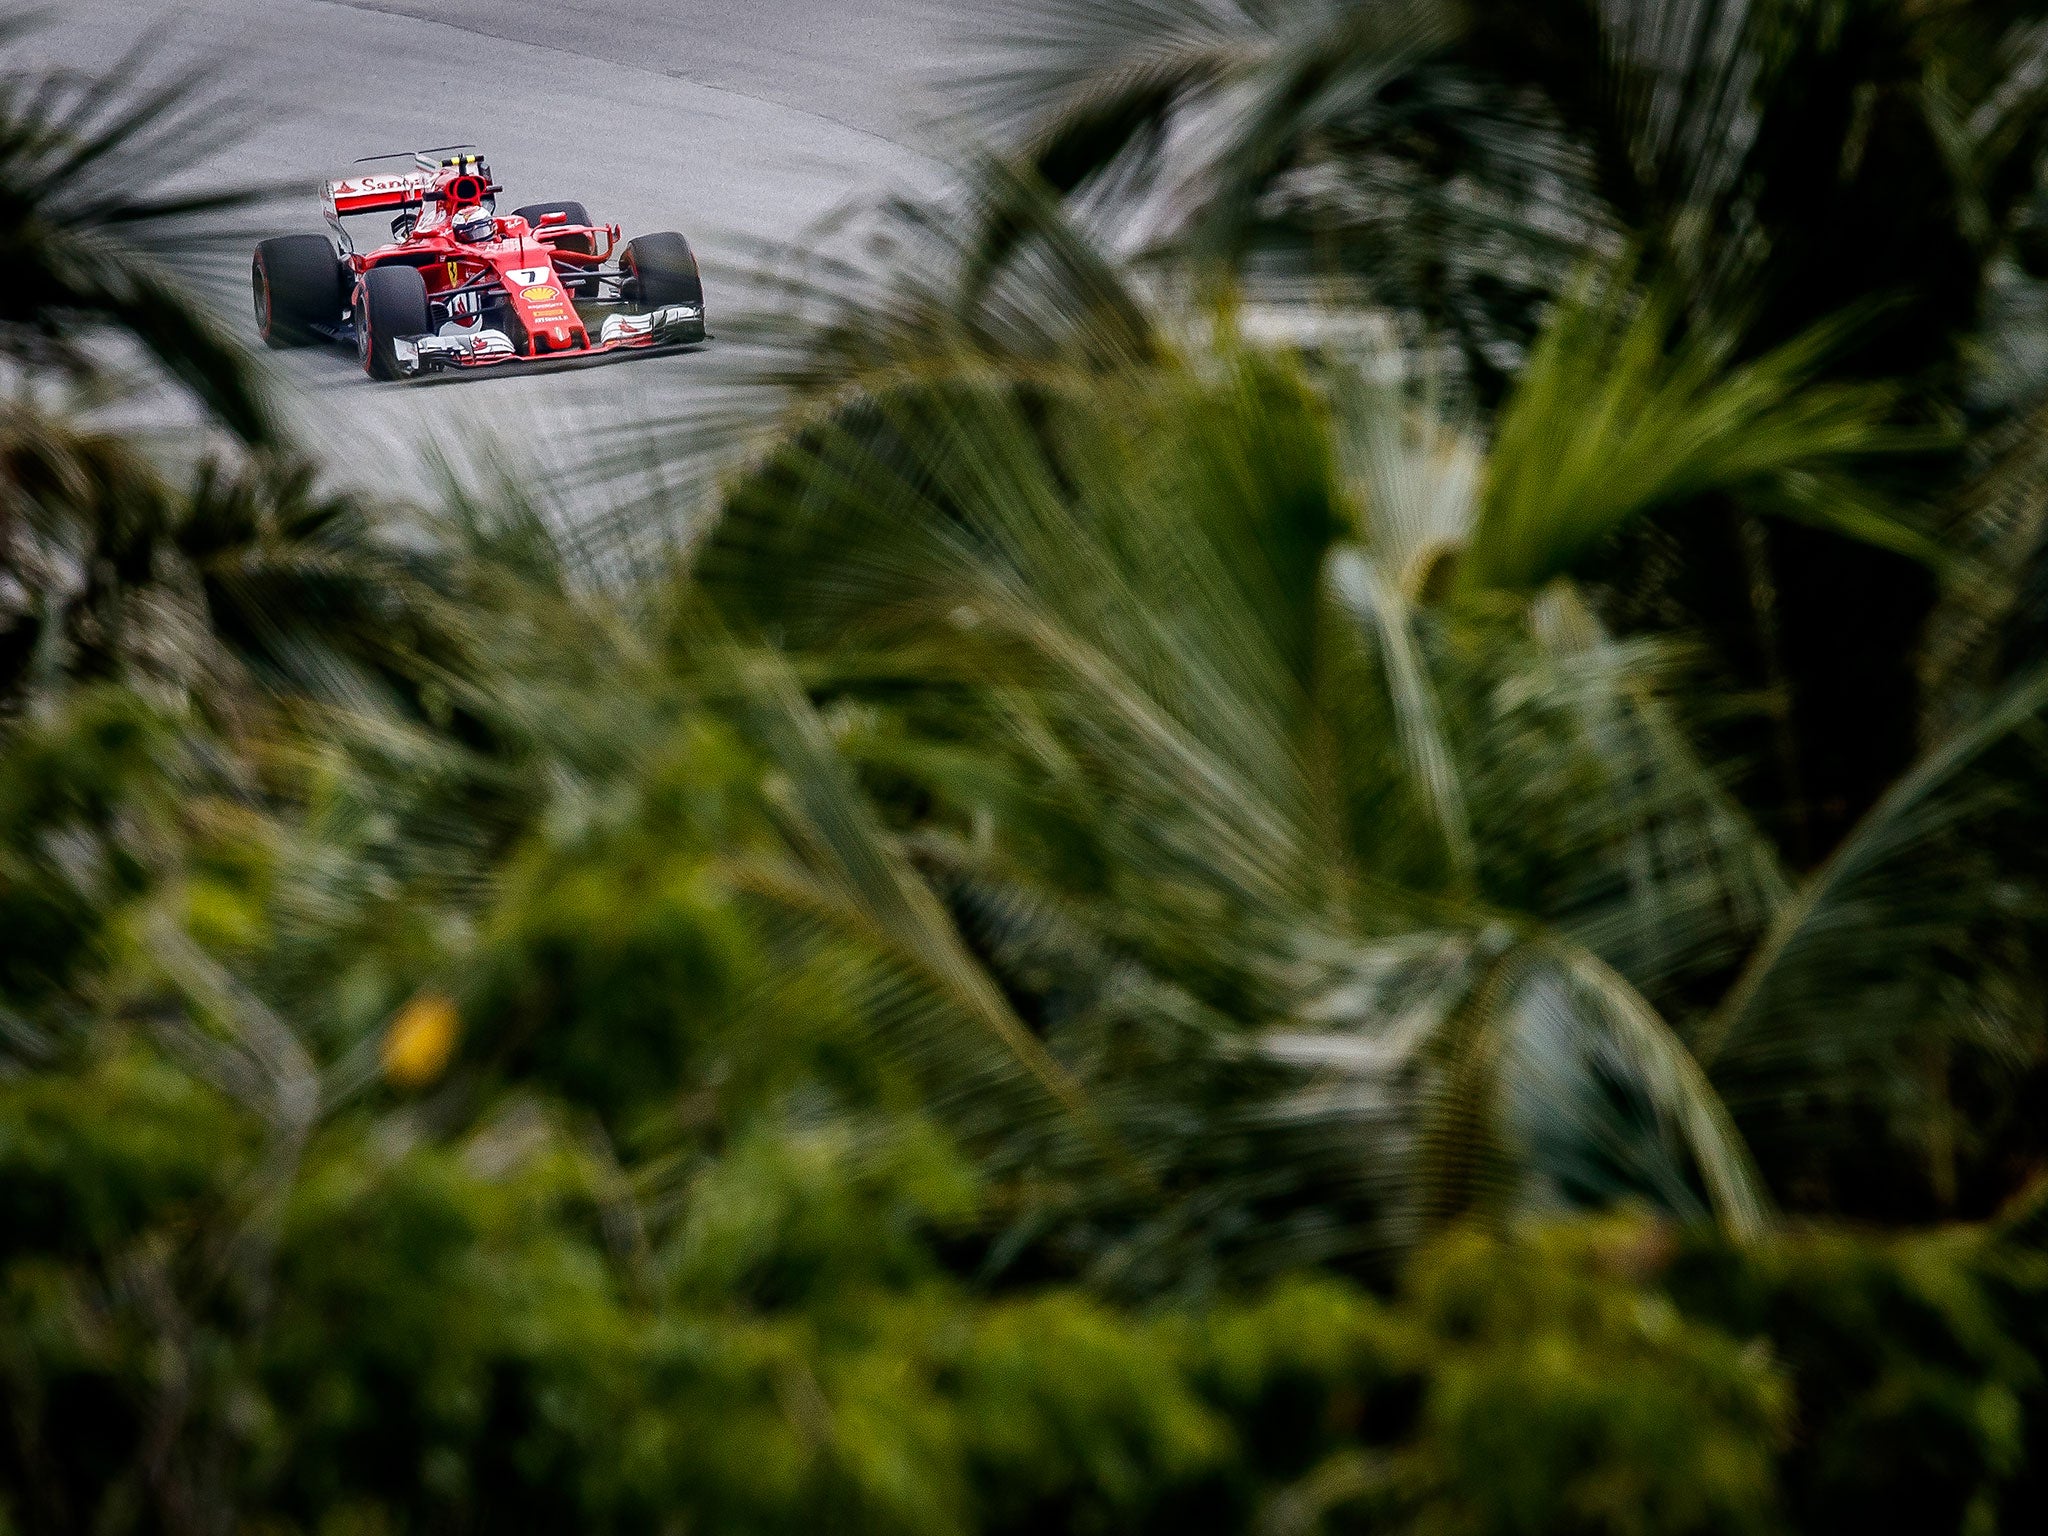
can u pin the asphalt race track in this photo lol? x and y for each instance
(730, 120)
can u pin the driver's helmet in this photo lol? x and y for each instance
(472, 225)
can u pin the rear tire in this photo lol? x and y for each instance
(392, 304)
(660, 270)
(533, 212)
(296, 286)
(572, 278)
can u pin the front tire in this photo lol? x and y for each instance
(660, 270)
(297, 290)
(391, 303)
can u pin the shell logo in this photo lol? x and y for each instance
(539, 295)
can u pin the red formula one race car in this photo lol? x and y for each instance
(460, 287)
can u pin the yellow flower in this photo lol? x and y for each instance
(420, 1041)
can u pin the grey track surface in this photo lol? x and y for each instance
(731, 120)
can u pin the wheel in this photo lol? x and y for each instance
(582, 287)
(533, 212)
(392, 303)
(659, 271)
(296, 288)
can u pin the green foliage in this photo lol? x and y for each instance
(1771, 171)
(99, 1159)
(85, 801)
(1156, 931)
(417, 1334)
(619, 966)
(95, 231)
(1666, 424)
(1924, 1383)
(1574, 1400)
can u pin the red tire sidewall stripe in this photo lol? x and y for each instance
(269, 300)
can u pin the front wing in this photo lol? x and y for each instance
(671, 326)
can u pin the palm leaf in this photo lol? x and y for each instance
(1867, 912)
(852, 878)
(95, 234)
(1611, 421)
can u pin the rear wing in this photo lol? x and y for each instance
(384, 193)
(389, 193)
(397, 190)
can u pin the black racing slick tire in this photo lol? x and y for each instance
(533, 213)
(582, 287)
(297, 289)
(660, 270)
(392, 303)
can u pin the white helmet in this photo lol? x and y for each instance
(472, 225)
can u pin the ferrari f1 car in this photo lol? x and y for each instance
(459, 287)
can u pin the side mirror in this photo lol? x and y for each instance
(557, 216)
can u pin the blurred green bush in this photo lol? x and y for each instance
(376, 1332)
(1153, 933)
